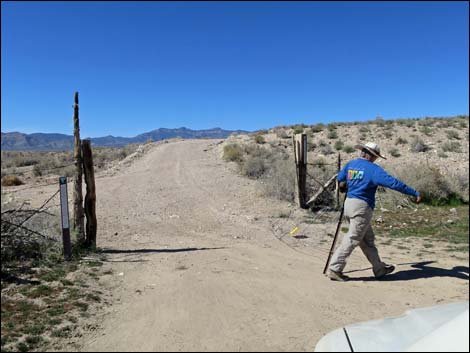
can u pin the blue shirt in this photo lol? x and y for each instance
(363, 177)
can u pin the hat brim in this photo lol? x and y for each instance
(361, 147)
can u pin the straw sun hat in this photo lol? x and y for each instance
(371, 147)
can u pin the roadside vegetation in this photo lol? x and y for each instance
(36, 164)
(418, 151)
(44, 298)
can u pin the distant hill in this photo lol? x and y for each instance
(50, 142)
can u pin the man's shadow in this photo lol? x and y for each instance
(420, 270)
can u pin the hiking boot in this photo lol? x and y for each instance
(385, 271)
(337, 276)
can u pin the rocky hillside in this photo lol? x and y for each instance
(417, 150)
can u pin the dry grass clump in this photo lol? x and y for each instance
(11, 180)
(233, 153)
(435, 187)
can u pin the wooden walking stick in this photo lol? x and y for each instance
(336, 234)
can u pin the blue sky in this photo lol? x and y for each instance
(139, 66)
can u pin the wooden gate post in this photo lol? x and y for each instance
(90, 196)
(77, 182)
(300, 151)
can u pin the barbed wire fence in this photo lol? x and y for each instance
(26, 231)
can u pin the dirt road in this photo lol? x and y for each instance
(196, 265)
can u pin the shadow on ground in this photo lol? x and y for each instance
(420, 270)
(147, 251)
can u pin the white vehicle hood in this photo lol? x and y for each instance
(438, 328)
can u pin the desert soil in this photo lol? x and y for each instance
(202, 262)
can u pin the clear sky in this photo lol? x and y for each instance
(139, 66)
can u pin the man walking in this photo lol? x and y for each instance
(362, 178)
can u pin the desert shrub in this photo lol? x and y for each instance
(426, 130)
(379, 121)
(11, 180)
(459, 184)
(279, 180)
(451, 146)
(348, 149)
(311, 146)
(331, 127)
(362, 137)
(233, 152)
(364, 129)
(409, 123)
(325, 149)
(298, 129)
(442, 154)
(332, 134)
(339, 145)
(401, 141)
(389, 123)
(37, 170)
(259, 139)
(318, 127)
(394, 152)
(282, 134)
(388, 134)
(253, 167)
(319, 162)
(418, 145)
(452, 134)
(433, 186)
(426, 122)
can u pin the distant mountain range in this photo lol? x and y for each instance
(49, 142)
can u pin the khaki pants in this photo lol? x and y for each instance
(359, 214)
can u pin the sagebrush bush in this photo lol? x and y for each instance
(339, 145)
(418, 145)
(332, 134)
(434, 187)
(452, 134)
(318, 127)
(331, 127)
(279, 181)
(253, 167)
(364, 129)
(348, 149)
(282, 134)
(233, 152)
(259, 139)
(426, 130)
(298, 129)
(394, 152)
(11, 180)
(451, 146)
(401, 141)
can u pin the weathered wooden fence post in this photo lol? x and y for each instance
(338, 168)
(77, 182)
(64, 211)
(300, 152)
(90, 196)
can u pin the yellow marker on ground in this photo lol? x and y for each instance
(292, 232)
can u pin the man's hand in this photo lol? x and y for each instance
(343, 187)
(418, 199)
